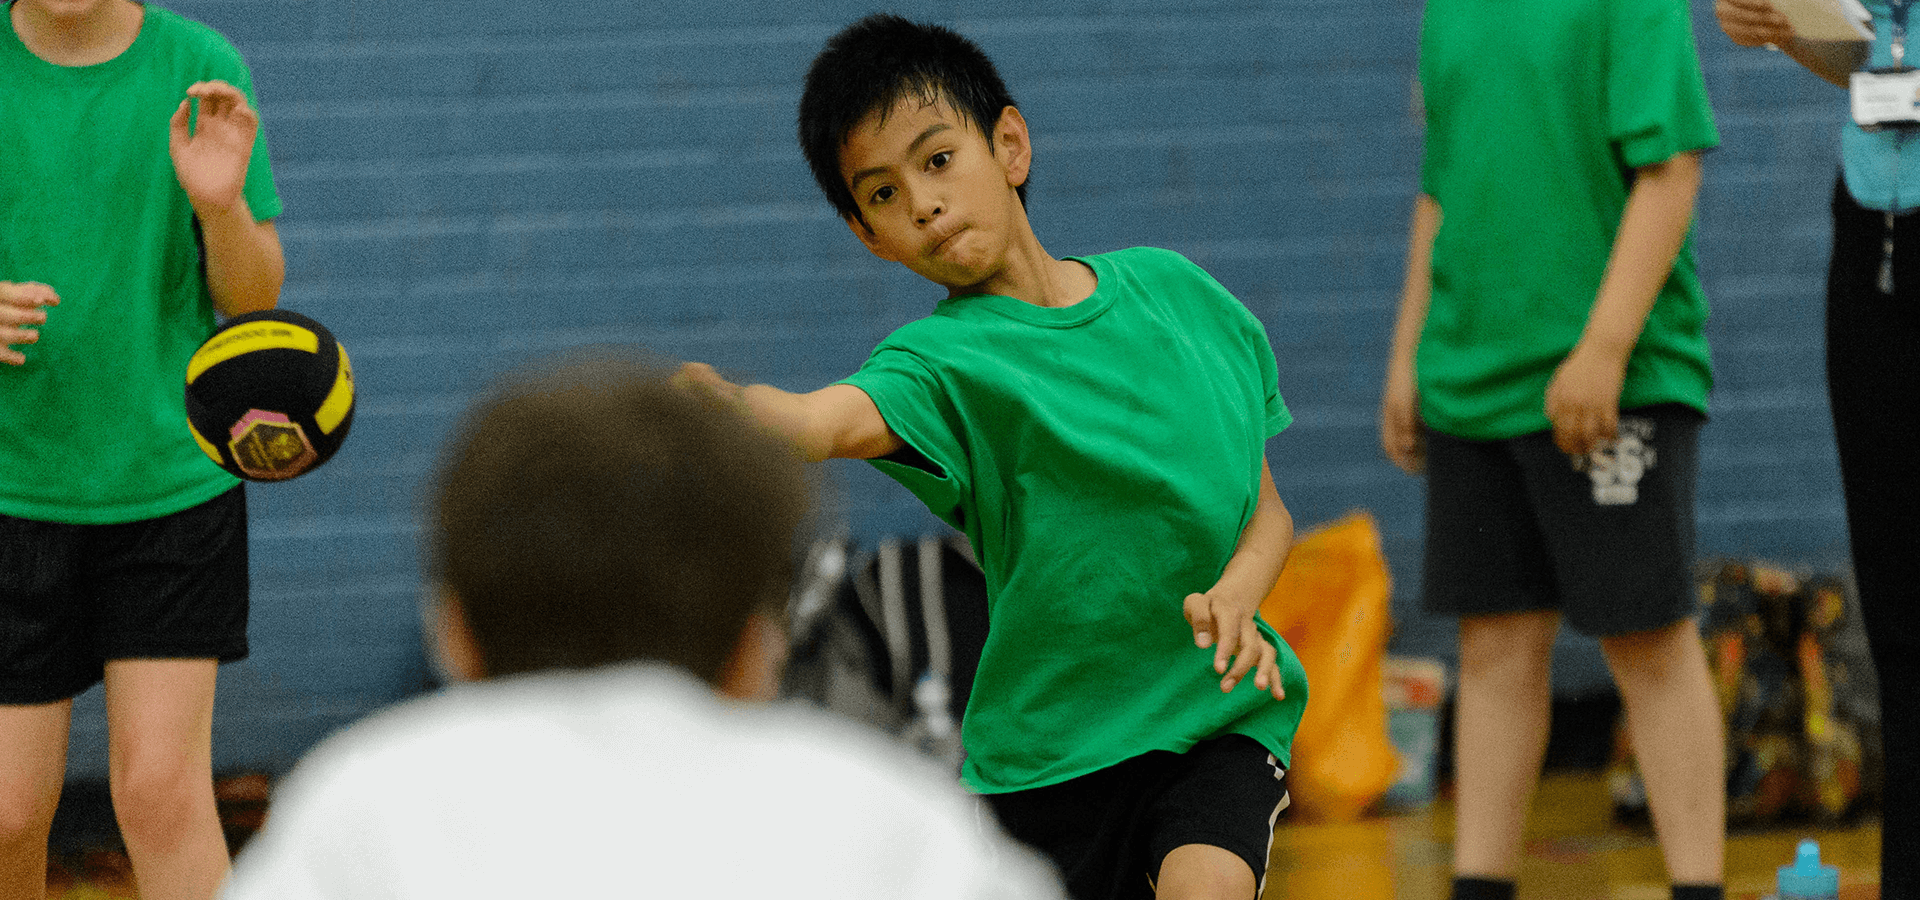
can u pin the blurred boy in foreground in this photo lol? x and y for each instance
(605, 545)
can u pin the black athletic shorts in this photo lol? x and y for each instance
(1108, 831)
(73, 597)
(1607, 539)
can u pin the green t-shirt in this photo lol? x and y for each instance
(1103, 458)
(94, 425)
(1537, 113)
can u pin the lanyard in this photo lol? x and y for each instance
(1899, 10)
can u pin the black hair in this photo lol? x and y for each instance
(596, 513)
(877, 62)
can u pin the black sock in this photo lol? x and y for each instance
(1482, 889)
(1699, 892)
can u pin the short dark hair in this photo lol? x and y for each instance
(597, 513)
(877, 62)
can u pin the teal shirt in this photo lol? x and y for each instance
(1882, 169)
(1103, 458)
(93, 428)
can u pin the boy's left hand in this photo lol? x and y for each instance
(1583, 399)
(1239, 647)
(210, 157)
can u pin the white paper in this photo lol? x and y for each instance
(1826, 20)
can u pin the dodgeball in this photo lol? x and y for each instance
(270, 395)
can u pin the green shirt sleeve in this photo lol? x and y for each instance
(935, 464)
(1277, 415)
(1657, 103)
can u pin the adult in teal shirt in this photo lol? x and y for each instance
(136, 204)
(1873, 363)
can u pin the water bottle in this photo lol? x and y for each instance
(1807, 878)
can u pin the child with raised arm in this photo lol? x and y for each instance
(1096, 426)
(137, 204)
(1550, 373)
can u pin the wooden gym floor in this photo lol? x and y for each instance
(1574, 852)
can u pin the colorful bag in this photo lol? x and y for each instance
(1789, 661)
(1330, 605)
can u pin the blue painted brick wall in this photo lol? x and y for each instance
(471, 184)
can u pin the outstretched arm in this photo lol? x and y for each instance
(245, 265)
(1756, 23)
(1583, 399)
(1222, 617)
(838, 421)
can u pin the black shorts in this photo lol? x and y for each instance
(1518, 526)
(1108, 831)
(73, 597)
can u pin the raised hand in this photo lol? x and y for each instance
(210, 153)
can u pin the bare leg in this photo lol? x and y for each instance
(1501, 712)
(1673, 720)
(1204, 872)
(160, 759)
(33, 765)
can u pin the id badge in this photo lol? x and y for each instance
(1886, 98)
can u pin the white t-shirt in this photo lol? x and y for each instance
(630, 781)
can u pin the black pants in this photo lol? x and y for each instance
(1873, 381)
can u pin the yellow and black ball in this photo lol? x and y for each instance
(270, 395)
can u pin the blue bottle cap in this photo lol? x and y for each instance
(1807, 878)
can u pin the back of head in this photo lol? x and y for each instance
(596, 513)
(875, 63)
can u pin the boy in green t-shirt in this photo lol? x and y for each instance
(123, 550)
(1550, 373)
(1096, 427)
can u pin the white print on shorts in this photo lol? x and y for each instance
(1617, 465)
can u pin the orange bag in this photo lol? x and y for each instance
(1331, 606)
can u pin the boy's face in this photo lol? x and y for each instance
(934, 195)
